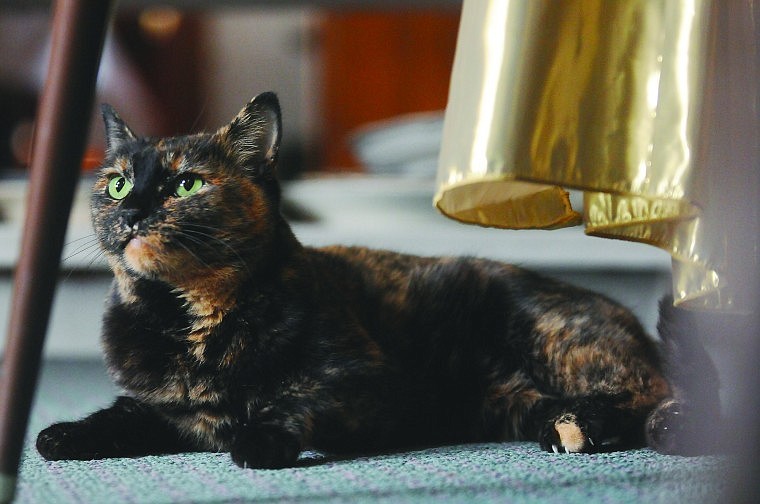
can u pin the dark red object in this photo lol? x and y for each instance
(79, 28)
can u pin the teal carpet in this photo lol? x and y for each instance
(511, 472)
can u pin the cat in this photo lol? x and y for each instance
(227, 334)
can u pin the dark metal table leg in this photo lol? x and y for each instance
(63, 117)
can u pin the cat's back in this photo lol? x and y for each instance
(362, 269)
(404, 293)
(400, 292)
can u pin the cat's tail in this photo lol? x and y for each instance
(685, 423)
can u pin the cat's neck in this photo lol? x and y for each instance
(202, 295)
(208, 296)
(211, 293)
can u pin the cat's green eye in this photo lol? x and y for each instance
(188, 185)
(119, 187)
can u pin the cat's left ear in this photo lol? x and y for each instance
(253, 136)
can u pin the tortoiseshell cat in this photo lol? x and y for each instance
(228, 335)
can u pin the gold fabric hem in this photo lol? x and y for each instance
(506, 203)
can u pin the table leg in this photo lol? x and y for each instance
(63, 117)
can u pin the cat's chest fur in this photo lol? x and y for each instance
(193, 349)
(168, 349)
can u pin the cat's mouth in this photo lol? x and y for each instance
(141, 253)
(150, 256)
(135, 244)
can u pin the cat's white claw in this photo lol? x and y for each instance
(566, 450)
(555, 449)
(591, 441)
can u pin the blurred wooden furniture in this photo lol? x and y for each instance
(79, 28)
(377, 65)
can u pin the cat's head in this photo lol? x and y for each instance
(190, 206)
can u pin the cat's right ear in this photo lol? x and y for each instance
(253, 136)
(117, 131)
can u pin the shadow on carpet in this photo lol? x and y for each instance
(491, 472)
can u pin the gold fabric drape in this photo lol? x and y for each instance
(607, 96)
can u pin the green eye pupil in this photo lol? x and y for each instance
(119, 187)
(188, 185)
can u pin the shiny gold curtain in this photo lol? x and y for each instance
(607, 96)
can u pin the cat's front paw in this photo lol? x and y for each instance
(567, 433)
(66, 441)
(266, 447)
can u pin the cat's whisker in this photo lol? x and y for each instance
(195, 235)
(98, 254)
(197, 241)
(85, 237)
(82, 248)
(86, 268)
(89, 238)
(196, 256)
(200, 226)
(205, 243)
(92, 254)
(205, 231)
(87, 248)
(200, 113)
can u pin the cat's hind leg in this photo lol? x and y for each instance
(686, 423)
(126, 429)
(680, 427)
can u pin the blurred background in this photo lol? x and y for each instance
(169, 71)
(362, 93)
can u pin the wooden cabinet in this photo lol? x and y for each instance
(379, 64)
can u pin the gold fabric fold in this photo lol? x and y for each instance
(605, 96)
(509, 204)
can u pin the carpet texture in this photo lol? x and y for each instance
(492, 472)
